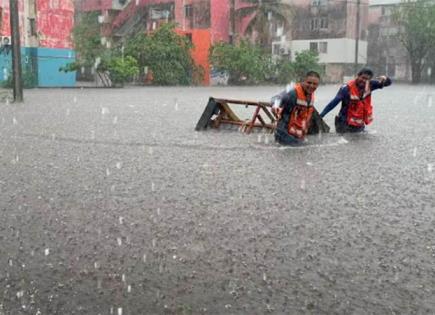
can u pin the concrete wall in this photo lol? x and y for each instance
(339, 50)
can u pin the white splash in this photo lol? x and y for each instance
(96, 265)
(75, 99)
(121, 220)
(154, 242)
(414, 152)
(14, 121)
(429, 101)
(123, 277)
(20, 294)
(10, 262)
(129, 288)
(430, 167)
(309, 163)
(104, 110)
(115, 120)
(47, 251)
(67, 111)
(119, 240)
(119, 165)
(107, 172)
(259, 138)
(153, 187)
(303, 184)
(176, 105)
(158, 211)
(266, 140)
(150, 150)
(144, 258)
(119, 310)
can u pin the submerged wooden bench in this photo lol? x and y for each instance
(218, 112)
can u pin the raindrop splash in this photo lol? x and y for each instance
(430, 167)
(414, 152)
(119, 165)
(121, 220)
(119, 241)
(47, 251)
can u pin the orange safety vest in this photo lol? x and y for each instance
(360, 110)
(300, 116)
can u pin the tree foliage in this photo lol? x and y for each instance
(416, 21)
(245, 62)
(120, 69)
(249, 64)
(166, 54)
(87, 39)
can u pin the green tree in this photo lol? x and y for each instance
(166, 54)
(87, 39)
(305, 61)
(416, 21)
(120, 69)
(262, 13)
(245, 63)
(295, 71)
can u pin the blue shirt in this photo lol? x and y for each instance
(343, 96)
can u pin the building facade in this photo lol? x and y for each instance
(45, 37)
(329, 28)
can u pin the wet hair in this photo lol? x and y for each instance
(312, 73)
(367, 71)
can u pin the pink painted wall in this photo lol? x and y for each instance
(95, 5)
(54, 22)
(220, 20)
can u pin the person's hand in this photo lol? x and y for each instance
(277, 111)
(382, 78)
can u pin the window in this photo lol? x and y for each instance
(323, 47)
(319, 23)
(324, 23)
(314, 24)
(313, 47)
(32, 27)
(188, 11)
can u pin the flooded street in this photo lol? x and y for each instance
(111, 203)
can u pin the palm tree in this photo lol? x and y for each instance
(262, 13)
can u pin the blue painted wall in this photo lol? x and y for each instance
(41, 66)
(49, 61)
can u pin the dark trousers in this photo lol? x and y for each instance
(282, 137)
(341, 126)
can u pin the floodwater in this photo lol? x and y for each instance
(111, 203)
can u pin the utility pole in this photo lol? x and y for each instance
(357, 34)
(16, 51)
